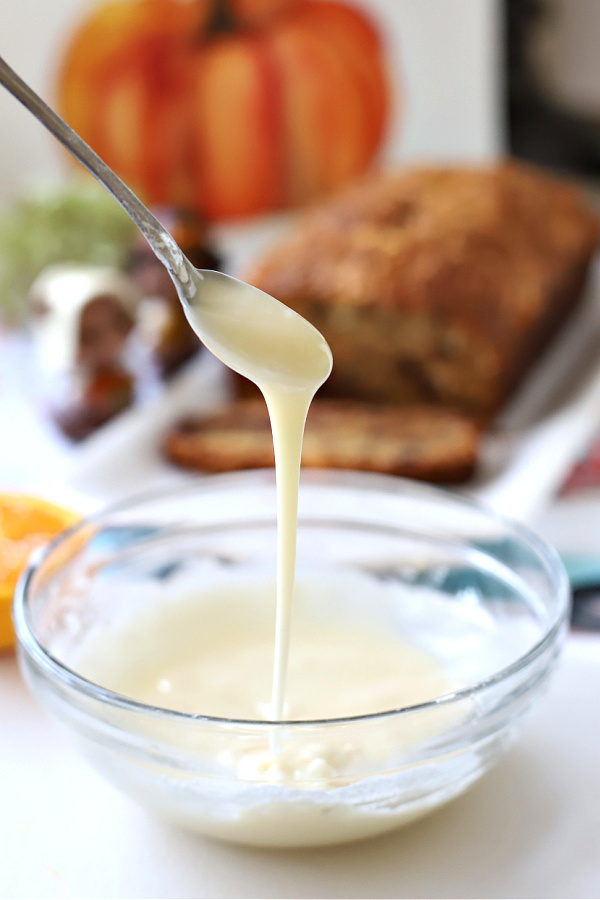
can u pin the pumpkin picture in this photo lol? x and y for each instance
(230, 107)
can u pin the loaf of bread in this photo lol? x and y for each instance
(438, 285)
(423, 442)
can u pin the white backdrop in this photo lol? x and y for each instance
(444, 53)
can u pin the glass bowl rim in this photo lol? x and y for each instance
(35, 651)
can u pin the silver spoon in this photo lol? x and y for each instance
(214, 303)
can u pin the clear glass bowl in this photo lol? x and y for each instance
(486, 596)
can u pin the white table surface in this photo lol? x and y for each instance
(529, 828)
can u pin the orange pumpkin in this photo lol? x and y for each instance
(232, 108)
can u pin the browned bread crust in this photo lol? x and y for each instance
(424, 442)
(437, 285)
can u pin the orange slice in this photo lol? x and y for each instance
(25, 523)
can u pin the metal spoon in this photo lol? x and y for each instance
(214, 303)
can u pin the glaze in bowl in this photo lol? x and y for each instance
(486, 596)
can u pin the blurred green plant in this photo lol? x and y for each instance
(75, 222)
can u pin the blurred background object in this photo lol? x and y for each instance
(25, 524)
(553, 83)
(76, 222)
(83, 320)
(232, 115)
(441, 62)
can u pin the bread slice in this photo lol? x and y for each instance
(423, 442)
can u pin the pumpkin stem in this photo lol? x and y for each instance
(222, 20)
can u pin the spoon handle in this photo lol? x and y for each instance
(157, 236)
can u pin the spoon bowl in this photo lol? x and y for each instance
(241, 324)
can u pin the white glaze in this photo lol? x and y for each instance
(289, 360)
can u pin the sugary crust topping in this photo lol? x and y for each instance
(488, 247)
